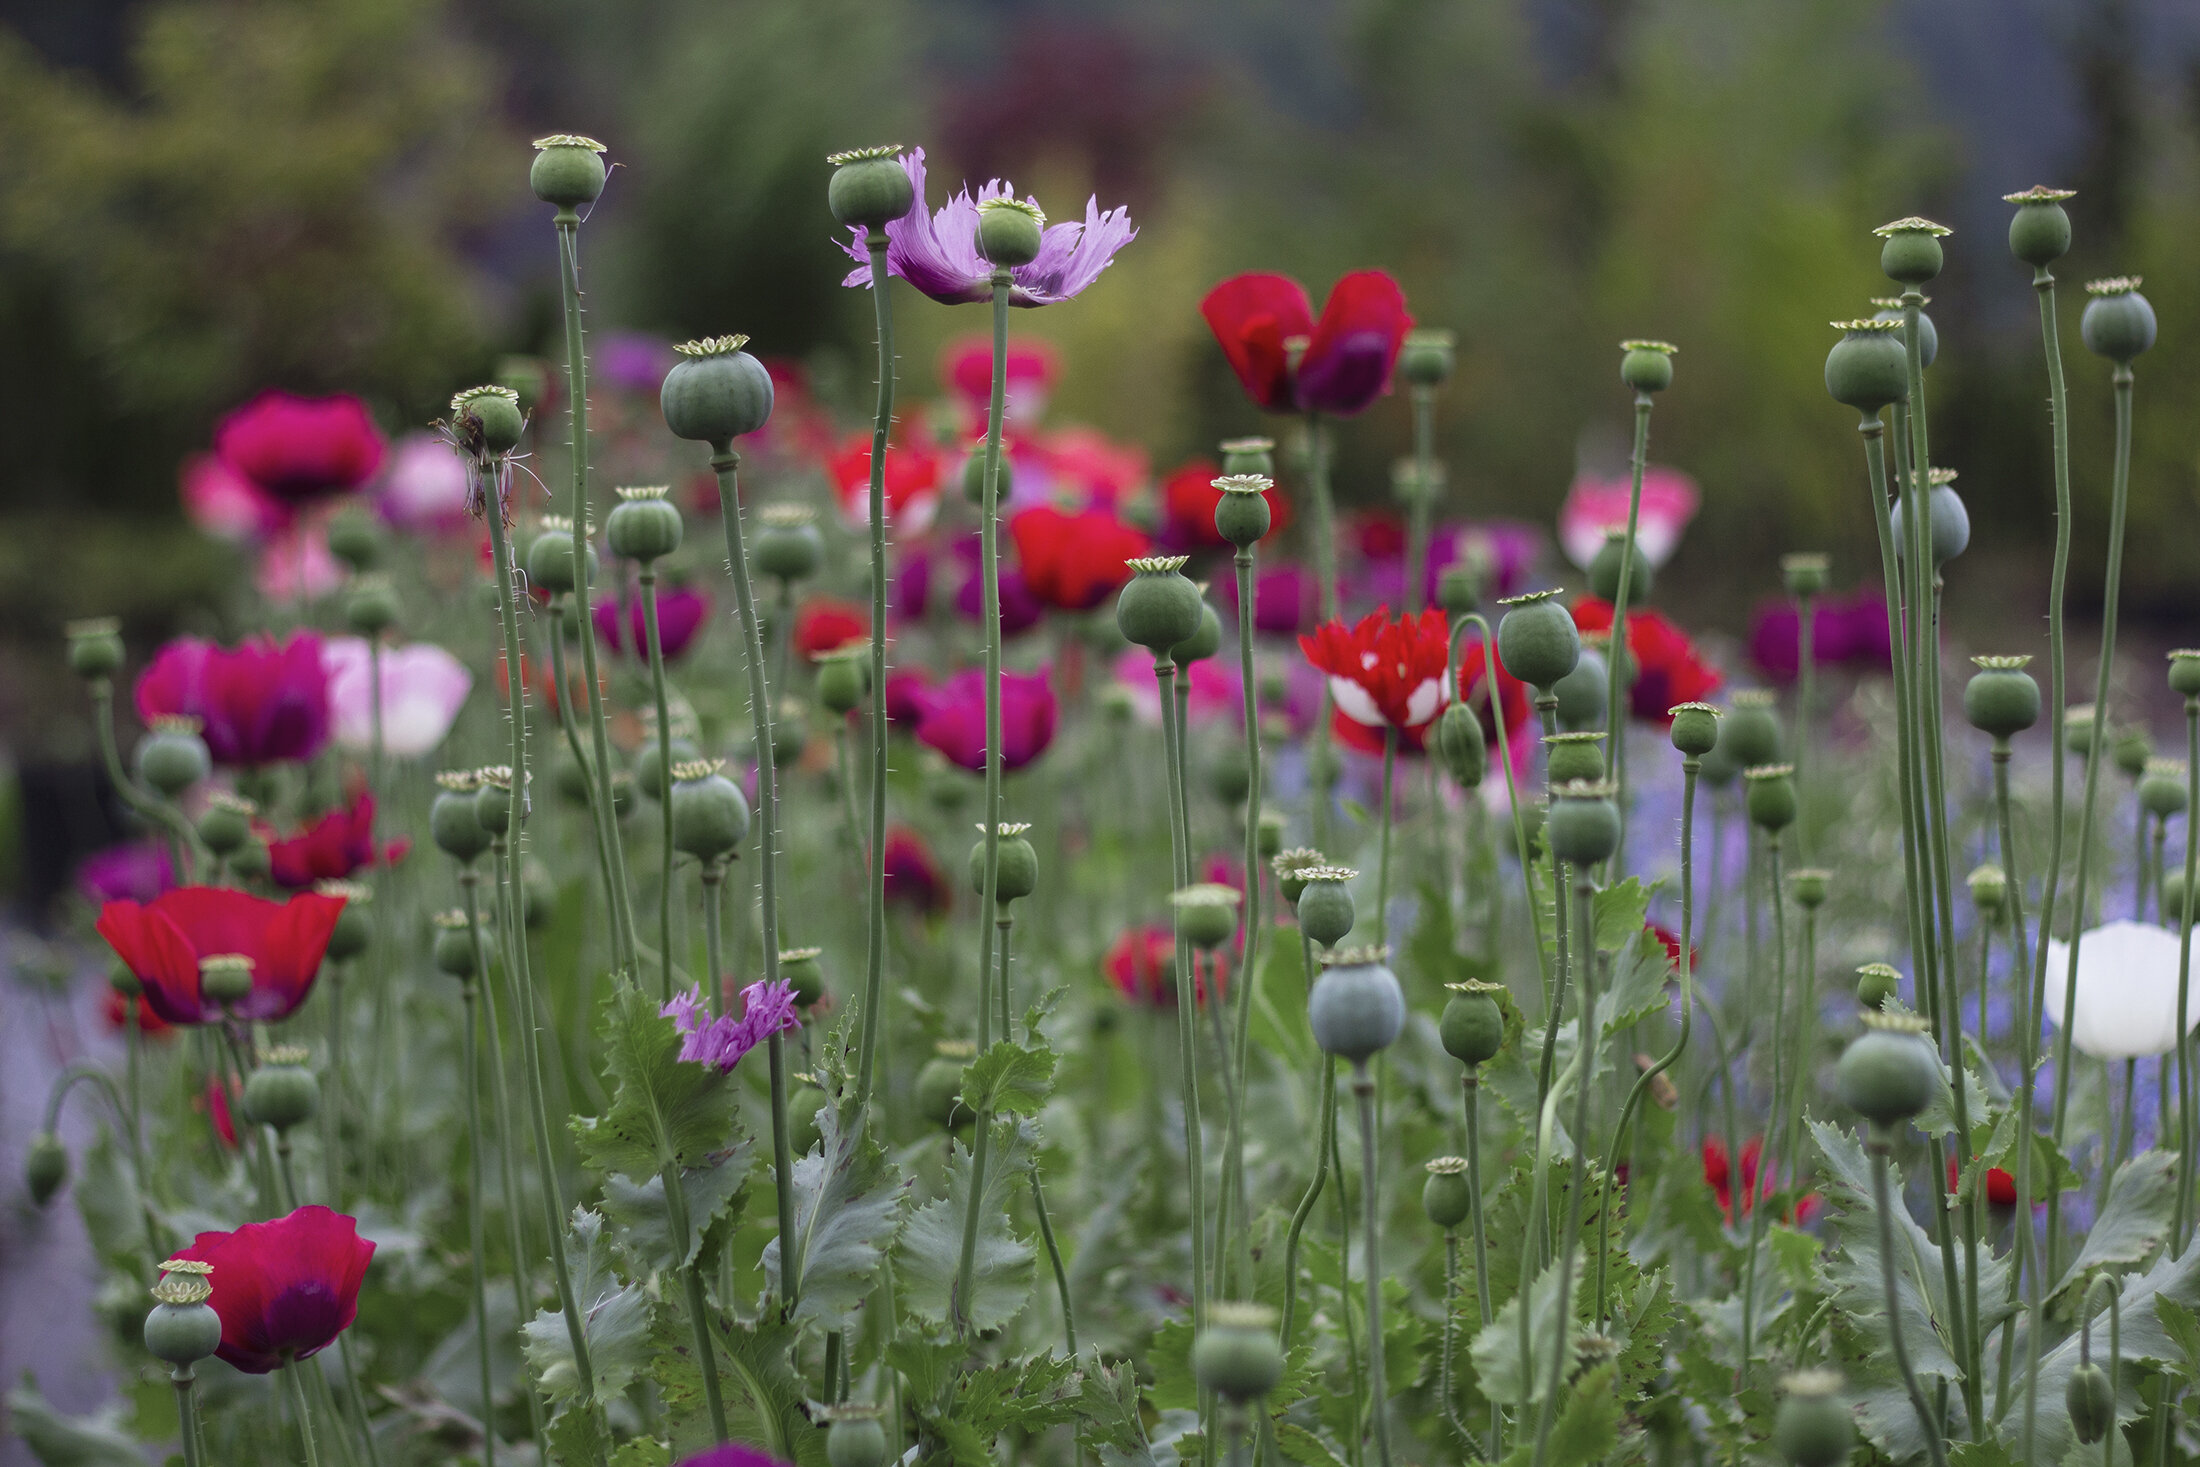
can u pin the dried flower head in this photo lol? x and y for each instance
(644, 491)
(1446, 1166)
(225, 963)
(1157, 565)
(176, 723)
(787, 516)
(687, 771)
(1865, 323)
(450, 921)
(1248, 445)
(285, 1054)
(567, 140)
(1893, 1021)
(458, 781)
(356, 893)
(1530, 598)
(1245, 483)
(1357, 957)
(1640, 344)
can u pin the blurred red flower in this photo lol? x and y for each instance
(1073, 562)
(1718, 1172)
(826, 625)
(333, 848)
(1384, 669)
(1348, 354)
(1668, 669)
(1141, 963)
(914, 876)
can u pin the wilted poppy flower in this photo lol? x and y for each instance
(134, 869)
(301, 448)
(337, 846)
(163, 941)
(1667, 669)
(1031, 370)
(423, 687)
(284, 1289)
(1384, 669)
(227, 505)
(914, 877)
(259, 702)
(2001, 1188)
(2127, 990)
(1073, 562)
(954, 718)
(682, 611)
(1141, 963)
(937, 252)
(1594, 505)
(825, 625)
(1846, 631)
(425, 487)
(1719, 1173)
(766, 1009)
(913, 471)
(1349, 353)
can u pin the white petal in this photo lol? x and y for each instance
(1354, 703)
(2126, 990)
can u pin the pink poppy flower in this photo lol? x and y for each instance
(259, 702)
(1216, 690)
(423, 687)
(299, 449)
(954, 718)
(1032, 369)
(298, 554)
(227, 505)
(425, 487)
(1594, 505)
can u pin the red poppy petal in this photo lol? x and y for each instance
(1252, 316)
(1355, 346)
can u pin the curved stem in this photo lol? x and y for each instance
(183, 841)
(1878, 1149)
(664, 777)
(874, 897)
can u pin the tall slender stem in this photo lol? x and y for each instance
(1878, 1149)
(1806, 704)
(1424, 497)
(1615, 657)
(1769, 1167)
(568, 716)
(332, 1125)
(305, 1412)
(507, 1143)
(1324, 536)
(476, 1233)
(1585, 1061)
(187, 1415)
(874, 897)
(2181, 1235)
(1327, 1089)
(1243, 563)
(1382, 864)
(664, 778)
(1470, 1083)
(374, 714)
(1363, 1094)
(1187, 1000)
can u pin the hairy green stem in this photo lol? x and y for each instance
(1249, 966)
(664, 780)
(874, 897)
(1363, 1094)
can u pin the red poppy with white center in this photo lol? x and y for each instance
(1385, 671)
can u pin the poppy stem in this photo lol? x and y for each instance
(2181, 1233)
(1424, 498)
(1187, 991)
(874, 896)
(1305, 1209)
(1363, 1094)
(1615, 654)
(1585, 1059)
(332, 1112)
(1249, 965)
(182, 841)
(567, 715)
(187, 1415)
(374, 714)
(476, 1231)
(664, 778)
(1878, 1151)
(1806, 700)
(1752, 1189)
(1382, 861)
(305, 1412)
(507, 1162)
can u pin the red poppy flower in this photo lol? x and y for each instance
(1668, 670)
(214, 1105)
(163, 941)
(954, 718)
(259, 702)
(337, 846)
(1141, 963)
(913, 472)
(825, 625)
(117, 1017)
(301, 448)
(1073, 562)
(1188, 500)
(1029, 371)
(1350, 352)
(914, 876)
(2001, 1188)
(1718, 1172)
(284, 1289)
(1385, 669)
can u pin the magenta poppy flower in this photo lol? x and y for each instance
(914, 877)
(260, 702)
(1217, 692)
(163, 942)
(632, 361)
(681, 613)
(1594, 505)
(766, 1009)
(135, 870)
(284, 1289)
(908, 696)
(937, 252)
(423, 687)
(1285, 598)
(1349, 353)
(334, 848)
(1846, 631)
(732, 1454)
(1031, 371)
(227, 505)
(299, 449)
(954, 720)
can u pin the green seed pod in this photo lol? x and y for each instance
(1769, 796)
(843, 677)
(2001, 699)
(1584, 694)
(182, 1328)
(710, 814)
(1604, 570)
(1357, 1008)
(538, 891)
(354, 929)
(1948, 522)
(800, 967)
(1989, 886)
(452, 822)
(1459, 744)
(45, 1168)
(1720, 767)
(1459, 589)
(1015, 867)
(1230, 777)
(1911, 253)
(939, 1085)
(2132, 749)
(281, 1092)
(1249, 456)
(649, 772)
(1204, 642)
(2184, 672)
(1268, 840)
(1407, 485)
(354, 539)
(1009, 232)
(1324, 904)
(644, 525)
(1804, 573)
(1537, 641)
(251, 860)
(716, 392)
(1582, 828)
(1809, 886)
(1695, 730)
(487, 421)
(2090, 1397)
(1868, 367)
(1572, 757)
(493, 801)
(1445, 1196)
(172, 757)
(226, 823)
(550, 556)
(371, 606)
(1472, 1026)
(2039, 232)
(870, 190)
(804, 1100)
(1206, 913)
(788, 546)
(1159, 608)
(568, 171)
(2078, 727)
(1292, 867)
(2162, 788)
(1814, 1428)
(1236, 1356)
(95, 647)
(456, 953)
(570, 778)
(1928, 335)
(973, 475)
(855, 1437)
(1751, 731)
(1646, 366)
(1426, 357)
(1242, 516)
(1887, 1074)
(1876, 983)
(2118, 322)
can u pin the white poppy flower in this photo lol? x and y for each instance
(2127, 990)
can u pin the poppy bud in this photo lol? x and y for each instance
(710, 815)
(1647, 366)
(183, 1328)
(1205, 640)
(1459, 588)
(225, 978)
(1292, 868)
(1242, 515)
(2090, 1397)
(788, 546)
(716, 392)
(172, 757)
(1357, 1008)
(1809, 886)
(226, 823)
(843, 677)
(1268, 841)
(1459, 744)
(452, 822)
(371, 606)
(487, 421)
(1571, 757)
(95, 647)
(1989, 886)
(1324, 904)
(1584, 694)
(281, 1092)
(2039, 232)
(45, 1168)
(568, 171)
(2118, 323)
(854, 1437)
(1472, 1026)
(1948, 523)
(939, 1084)
(1015, 865)
(1583, 826)
(1236, 1356)
(1869, 366)
(644, 525)
(1425, 359)
(1751, 732)
(2079, 724)
(1876, 983)
(550, 556)
(456, 953)
(1813, 1427)
(1695, 730)
(1246, 457)
(2184, 672)
(870, 190)
(1911, 253)
(1445, 1196)
(2001, 699)
(1537, 641)
(1928, 335)
(353, 929)
(1604, 569)
(1888, 1072)
(1207, 913)
(1770, 796)
(1009, 232)
(1158, 607)
(2162, 788)
(799, 966)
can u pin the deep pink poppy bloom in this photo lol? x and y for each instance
(1594, 505)
(632, 361)
(284, 1289)
(914, 877)
(259, 702)
(1668, 668)
(1021, 610)
(162, 942)
(1032, 369)
(137, 870)
(1350, 352)
(1285, 598)
(937, 252)
(681, 613)
(301, 448)
(425, 488)
(334, 848)
(908, 696)
(732, 1454)
(298, 555)
(954, 721)
(227, 505)
(1848, 630)
(766, 1009)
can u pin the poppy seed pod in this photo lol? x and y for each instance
(456, 953)
(644, 525)
(1247, 457)
(1207, 913)
(354, 929)
(1719, 767)
(1989, 886)
(1928, 335)
(182, 1328)
(1647, 366)
(568, 171)
(1242, 515)
(1537, 640)
(226, 823)
(2078, 729)
(487, 421)
(870, 190)
(2039, 232)
(1016, 864)
(2173, 896)
(1583, 694)
(281, 1092)
(1813, 1427)
(1230, 777)
(1459, 744)
(1236, 1356)
(2001, 699)
(1912, 252)
(1876, 983)
(2118, 322)
(354, 540)
(95, 647)
(716, 392)
(45, 1168)
(550, 556)
(1408, 485)
(1583, 826)
(1158, 607)
(939, 1084)
(1869, 366)
(2162, 788)
(1357, 1008)
(251, 860)
(1948, 523)
(710, 815)
(453, 821)
(1205, 640)
(1751, 731)
(1324, 904)
(1804, 573)
(493, 801)
(1459, 588)
(2132, 749)
(1604, 569)
(843, 677)
(1292, 867)
(1888, 1072)
(1769, 796)
(2090, 1397)
(172, 757)
(2184, 672)
(800, 967)
(1426, 357)
(788, 546)
(854, 1436)
(1571, 757)
(1472, 1026)
(1809, 886)
(371, 606)
(1268, 840)
(1009, 232)
(649, 772)
(1695, 730)
(1445, 1196)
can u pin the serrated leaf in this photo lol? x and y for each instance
(2183, 1327)
(1496, 1350)
(847, 1207)
(757, 1385)
(1009, 1079)
(615, 1319)
(1031, 1395)
(577, 1436)
(663, 1109)
(1303, 1447)
(2051, 1170)
(1939, 1117)
(1619, 911)
(1587, 1427)
(1107, 1407)
(713, 1191)
(2134, 1221)
(930, 1250)
(1853, 1269)
(642, 1451)
(2145, 1340)
(57, 1440)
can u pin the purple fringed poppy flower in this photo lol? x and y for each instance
(937, 252)
(681, 613)
(766, 1009)
(135, 870)
(954, 718)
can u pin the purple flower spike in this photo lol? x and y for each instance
(938, 252)
(766, 1009)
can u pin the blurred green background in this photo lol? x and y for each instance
(199, 198)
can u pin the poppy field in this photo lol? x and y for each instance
(702, 929)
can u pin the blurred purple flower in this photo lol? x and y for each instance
(766, 1009)
(633, 361)
(135, 870)
(1505, 550)
(681, 613)
(954, 718)
(1020, 609)
(1284, 599)
(1847, 631)
(937, 252)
